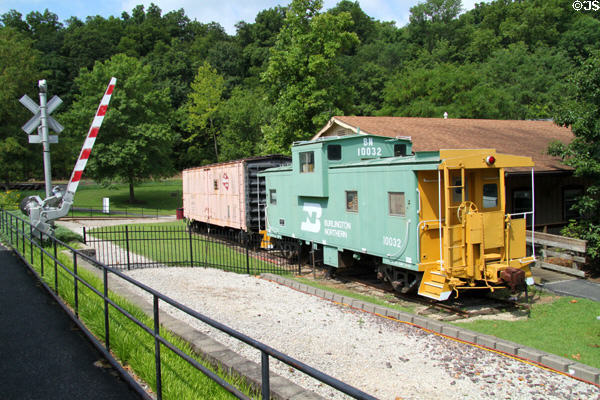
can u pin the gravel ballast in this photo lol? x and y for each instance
(385, 358)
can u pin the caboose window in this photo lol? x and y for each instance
(490, 195)
(397, 203)
(334, 152)
(273, 196)
(399, 150)
(352, 200)
(307, 161)
(215, 184)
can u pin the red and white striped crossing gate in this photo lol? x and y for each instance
(91, 139)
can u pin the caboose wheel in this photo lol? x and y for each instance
(466, 207)
(402, 280)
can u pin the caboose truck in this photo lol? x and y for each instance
(435, 221)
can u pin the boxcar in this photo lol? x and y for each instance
(431, 221)
(229, 194)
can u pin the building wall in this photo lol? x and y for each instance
(552, 193)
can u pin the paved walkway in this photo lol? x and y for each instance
(43, 355)
(566, 285)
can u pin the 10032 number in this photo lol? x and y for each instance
(392, 241)
(369, 151)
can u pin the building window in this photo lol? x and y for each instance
(397, 203)
(521, 201)
(352, 200)
(307, 161)
(334, 152)
(273, 196)
(216, 184)
(571, 195)
(490, 195)
(399, 150)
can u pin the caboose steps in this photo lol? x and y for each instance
(434, 285)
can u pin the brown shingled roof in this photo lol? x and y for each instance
(526, 138)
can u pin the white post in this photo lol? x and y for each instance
(44, 134)
(532, 212)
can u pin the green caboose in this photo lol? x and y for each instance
(369, 197)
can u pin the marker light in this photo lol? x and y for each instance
(490, 160)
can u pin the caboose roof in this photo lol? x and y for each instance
(527, 138)
(348, 136)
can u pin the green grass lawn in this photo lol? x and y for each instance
(564, 326)
(162, 197)
(129, 343)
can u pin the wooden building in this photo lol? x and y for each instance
(556, 189)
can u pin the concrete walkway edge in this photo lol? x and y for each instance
(214, 352)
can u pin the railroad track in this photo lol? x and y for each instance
(466, 306)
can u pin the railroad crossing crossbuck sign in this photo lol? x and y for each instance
(36, 120)
(42, 121)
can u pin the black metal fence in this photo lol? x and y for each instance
(133, 247)
(83, 211)
(25, 241)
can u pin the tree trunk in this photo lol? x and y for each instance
(131, 193)
(212, 129)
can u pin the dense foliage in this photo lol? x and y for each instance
(582, 114)
(206, 96)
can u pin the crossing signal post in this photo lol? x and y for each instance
(41, 121)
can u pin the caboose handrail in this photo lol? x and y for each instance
(533, 212)
(440, 218)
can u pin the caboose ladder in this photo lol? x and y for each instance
(435, 280)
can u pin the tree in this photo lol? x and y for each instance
(241, 118)
(19, 72)
(203, 103)
(432, 20)
(303, 78)
(583, 153)
(512, 84)
(135, 142)
(256, 39)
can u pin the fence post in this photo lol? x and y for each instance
(157, 350)
(31, 243)
(16, 234)
(41, 256)
(23, 238)
(84, 236)
(247, 255)
(127, 247)
(191, 246)
(55, 265)
(75, 291)
(106, 326)
(266, 385)
(298, 249)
